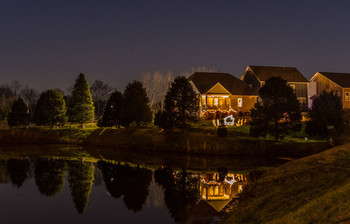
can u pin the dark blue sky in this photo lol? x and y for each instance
(45, 44)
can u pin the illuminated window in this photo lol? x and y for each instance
(240, 102)
(210, 101)
(347, 96)
(293, 86)
(221, 101)
(203, 100)
(216, 101)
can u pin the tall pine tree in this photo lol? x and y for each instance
(135, 107)
(80, 108)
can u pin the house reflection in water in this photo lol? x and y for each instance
(212, 188)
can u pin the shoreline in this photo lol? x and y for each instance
(154, 140)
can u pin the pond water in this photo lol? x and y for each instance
(61, 184)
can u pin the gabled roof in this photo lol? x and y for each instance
(204, 81)
(342, 79)
(290, 74)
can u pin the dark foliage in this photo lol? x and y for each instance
(18, 115)
(80, 108)
(278, 113)
(132, 182)
(326, 116)
(18, 171)
(180, 105)
(180, 192)
(112, 111)
(50, 109)
(49, 176)
(135, 107)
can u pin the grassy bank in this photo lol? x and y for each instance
(313, 189)
(153, 139)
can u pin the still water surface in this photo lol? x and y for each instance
(55, 184)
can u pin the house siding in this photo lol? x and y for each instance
(248, 102)
(251, 79)
(324, 84)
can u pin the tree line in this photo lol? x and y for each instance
(133, 107)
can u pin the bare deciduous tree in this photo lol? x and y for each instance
(157, 84)
(30, 96)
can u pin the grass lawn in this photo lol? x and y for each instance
(313, 189)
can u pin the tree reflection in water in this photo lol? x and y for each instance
(18, 170)
(4, 177)
(181, 191)
(49, 175)
(130, 182)
(81, 177)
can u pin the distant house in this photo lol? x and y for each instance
(256, 77)
(330, 81)
(222, 92)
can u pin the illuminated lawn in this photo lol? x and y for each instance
(314, 189)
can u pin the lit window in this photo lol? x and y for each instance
(216, 101)
(210, 101)
(240, 102)
(347, 96)
(203, 100)
(293, 86)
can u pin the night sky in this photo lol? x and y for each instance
(45, 44)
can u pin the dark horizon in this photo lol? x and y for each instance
(46, 44)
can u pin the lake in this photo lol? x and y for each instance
(66, 184)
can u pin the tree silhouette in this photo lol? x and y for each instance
(18, 115)
(18, 171)
(80, 108)
(181, 192)
(180, 105)
(49, 176)
(326, 116)
(81, 177)
(137, 181)
(278, 113)
(112, 111)
(50, 109)
(130, 182)
(113, 178)
(135, 107)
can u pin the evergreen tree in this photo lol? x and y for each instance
(326, 116)
(80, 178)
(18, 115)
(80, 108)
(50, 109)
(279, 112)
(135, 107)
(112, 111)
(180, 106)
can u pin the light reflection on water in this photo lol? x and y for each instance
(84, 189)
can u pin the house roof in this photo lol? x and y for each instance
(204, 81)
(290, 74)
(342, 79)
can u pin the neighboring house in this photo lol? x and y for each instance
(222, 91)
(330, 81)
(256, 77)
